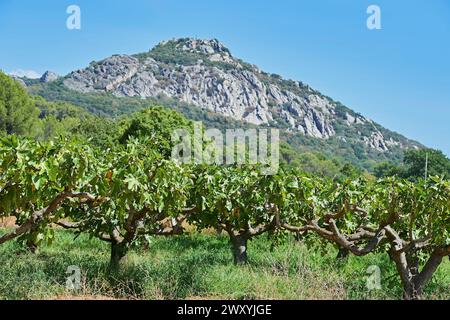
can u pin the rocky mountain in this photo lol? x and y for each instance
(204, 73)
(205, 82)
(48, 76)
(19, 80)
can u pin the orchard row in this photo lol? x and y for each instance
(127, 194)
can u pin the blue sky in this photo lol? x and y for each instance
(398, 76)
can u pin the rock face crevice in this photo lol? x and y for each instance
(205, 74)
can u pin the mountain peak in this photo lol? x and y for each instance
(49, 76)
(193, 45)
(204, 74)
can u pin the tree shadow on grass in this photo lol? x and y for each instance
(176, 276)
(185, 242)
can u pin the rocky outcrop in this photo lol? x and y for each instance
(236, 92)
(20, 81)
(103, 76)
(205, 74)
(48, 76)
(377, 141)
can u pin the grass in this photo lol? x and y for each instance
(198, 267)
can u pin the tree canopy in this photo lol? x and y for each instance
(415, 163)
(18, 114)
(157, 124)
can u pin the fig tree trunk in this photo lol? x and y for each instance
(410, 292)
(239, 247)
(414, 280)
(342, 253)
(119, 252)
(31, 246)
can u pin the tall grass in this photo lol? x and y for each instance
(198, 267)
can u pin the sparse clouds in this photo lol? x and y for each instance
(31, 74)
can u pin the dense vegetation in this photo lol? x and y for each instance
(344, 148)
(416, 164)
(17, 111)
(113, 180)
(131, 193)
